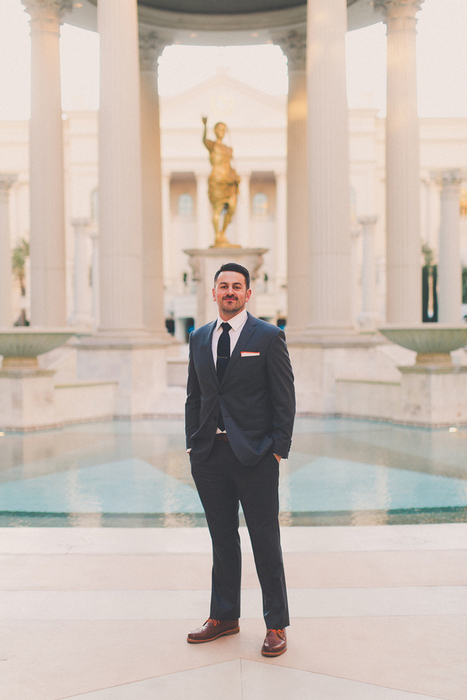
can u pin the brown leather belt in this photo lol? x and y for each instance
(222, 437)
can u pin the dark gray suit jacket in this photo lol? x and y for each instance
(256, 396)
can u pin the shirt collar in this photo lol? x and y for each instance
(235, 321)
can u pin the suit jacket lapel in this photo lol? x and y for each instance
(247, 333)
(208, 348)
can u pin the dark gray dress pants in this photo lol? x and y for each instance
(222, 483)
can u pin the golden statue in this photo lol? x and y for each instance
(222, 184)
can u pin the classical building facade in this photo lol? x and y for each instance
(342, 212)
(258, 132)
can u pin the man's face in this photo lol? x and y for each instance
(230, 293)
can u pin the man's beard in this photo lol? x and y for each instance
(233, 306)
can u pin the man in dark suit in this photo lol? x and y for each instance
(240, 411)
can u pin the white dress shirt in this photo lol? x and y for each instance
(237, 322)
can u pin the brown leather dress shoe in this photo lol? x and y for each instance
(213, 629)
(275, 643)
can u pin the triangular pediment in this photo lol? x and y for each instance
(223, 98)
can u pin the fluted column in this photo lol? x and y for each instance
(166, 231)
(355, 271)
(328, 167)
(280, 271)
(120, 198)
(403, 246)
(243, 211)
(293, 44)
(449, 256)
(6, 311)
(203, 212)
(47, 236)
(94, 236)
(82, 297)
(151, 45)
(368, 317)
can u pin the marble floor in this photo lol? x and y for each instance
(105, 566)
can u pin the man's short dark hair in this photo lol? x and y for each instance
(233, 267)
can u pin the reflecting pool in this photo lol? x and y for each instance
(137, 474)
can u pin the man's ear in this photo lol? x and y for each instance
(214, 294)
(248, 295)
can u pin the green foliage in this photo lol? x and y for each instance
(20, 253)
(464, 285)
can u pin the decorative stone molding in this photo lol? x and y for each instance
(151, 46)
(293, 44)
(46, 15)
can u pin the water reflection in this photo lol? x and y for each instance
(137, 474)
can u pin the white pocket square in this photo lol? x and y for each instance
(249, 354)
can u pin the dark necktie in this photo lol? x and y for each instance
(223, 357)
(223, 351)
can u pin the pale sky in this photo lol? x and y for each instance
(441, 56)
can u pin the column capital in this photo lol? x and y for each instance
(401, 12)
(7, 180)
(151, 46)
(449, 178)
(293, 44)
(80, 223)
(367, 222)
(46, 15)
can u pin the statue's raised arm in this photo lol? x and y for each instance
(223, 182)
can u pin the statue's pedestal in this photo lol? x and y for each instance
(206, 262)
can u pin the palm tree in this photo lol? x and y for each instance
(20, 253)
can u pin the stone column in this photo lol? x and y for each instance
(355, 271)
(47, 237)
(368, 318)
(6, 311)
(403, 244)
(280, 271)
(82, 298)
(293, 44)
(151, 45)
(166, 231)
(204, 228)
(449, 257)
(328, 167)
(120, 196)
(243, 211)
(94, 235)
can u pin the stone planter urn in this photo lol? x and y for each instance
(21, 346)
(433, 391)
(433, 342)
